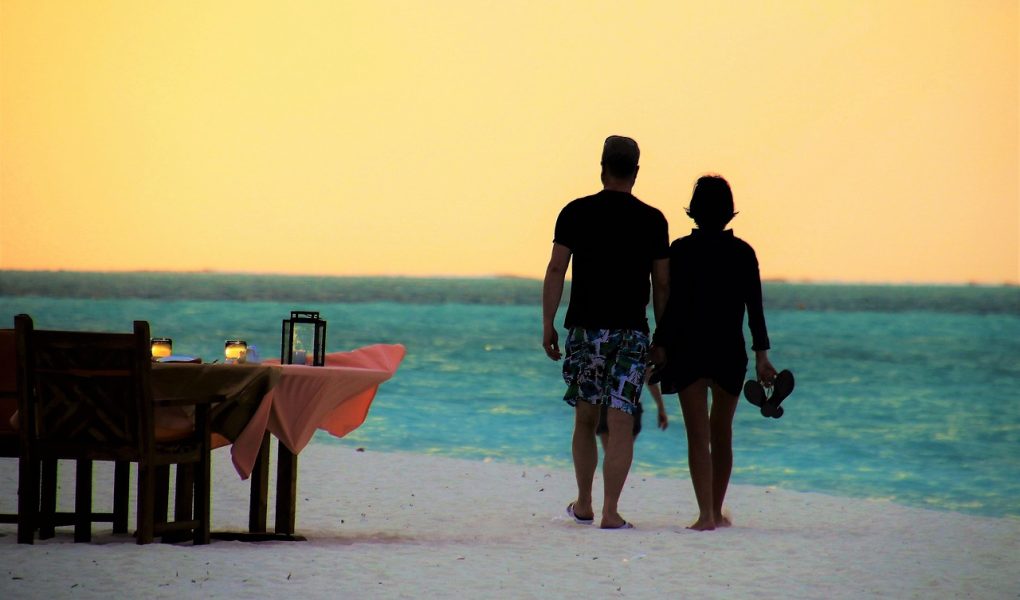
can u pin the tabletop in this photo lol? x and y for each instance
(290, 401)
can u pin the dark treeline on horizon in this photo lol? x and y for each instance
(234, 287)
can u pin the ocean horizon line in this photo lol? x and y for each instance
(492, 276)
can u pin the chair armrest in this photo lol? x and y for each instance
(190, 401)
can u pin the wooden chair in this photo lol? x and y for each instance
(10, 448)
(86, 396)
(8, 405)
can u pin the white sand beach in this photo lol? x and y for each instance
(392, 525)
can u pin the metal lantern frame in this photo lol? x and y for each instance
(318, 349)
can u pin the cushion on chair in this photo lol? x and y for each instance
(167, 434)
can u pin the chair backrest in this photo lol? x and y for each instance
(87, 394)
(8, 381)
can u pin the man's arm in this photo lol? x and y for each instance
(660, 287)
(552, 292)
(660, 296)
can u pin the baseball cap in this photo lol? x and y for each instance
(620, 151)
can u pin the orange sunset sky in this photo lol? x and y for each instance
(865, 140)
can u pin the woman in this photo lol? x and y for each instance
(713, 277)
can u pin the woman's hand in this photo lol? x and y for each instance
(656, 357)
(763, 368)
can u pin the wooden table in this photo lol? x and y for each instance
(289, 402)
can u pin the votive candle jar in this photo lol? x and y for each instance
(161, 347)
(235, 351)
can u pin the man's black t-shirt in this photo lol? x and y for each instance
(613, 238)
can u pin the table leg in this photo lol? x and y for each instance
(258, 504)
(286, 489)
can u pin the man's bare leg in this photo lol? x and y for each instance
(616, 466)
(694, 404)
(724, 405)
(586, 455)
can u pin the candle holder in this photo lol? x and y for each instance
(235, 351)
(161, 347)
(303, 339)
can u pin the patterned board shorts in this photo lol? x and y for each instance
(605, 366)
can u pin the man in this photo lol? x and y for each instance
(617, 242)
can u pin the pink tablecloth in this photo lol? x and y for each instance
(335, 398)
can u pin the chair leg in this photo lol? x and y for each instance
(203, 492)
(121, 488)
(48, 509)
(162, 498)
(28, 498)
(203, 478)
(146, 500)
(183, 498)
(83, 501)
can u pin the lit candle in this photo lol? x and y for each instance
(235, 351)
(162, 347)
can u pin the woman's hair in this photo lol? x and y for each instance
(711, 203)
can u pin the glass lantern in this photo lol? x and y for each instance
(304, 339)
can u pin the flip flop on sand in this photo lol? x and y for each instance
(769, 401)
(577, 519)
(625, 525)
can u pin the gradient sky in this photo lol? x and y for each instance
(865, 140)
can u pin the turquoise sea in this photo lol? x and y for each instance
(906, 393)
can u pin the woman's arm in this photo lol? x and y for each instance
(756, 322)
(754, 302)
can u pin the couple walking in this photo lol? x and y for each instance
(699, 286)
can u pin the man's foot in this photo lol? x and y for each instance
(703, 524)
(571, 512)
(614, 521)
(625, 525)
(723, 520)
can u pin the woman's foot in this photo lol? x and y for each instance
(703, 524)
(723, 520)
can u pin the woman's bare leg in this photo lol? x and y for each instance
(724, 405)
(694, 404)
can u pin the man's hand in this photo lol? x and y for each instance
(551, 343)
(552, 291)
(663, 419)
